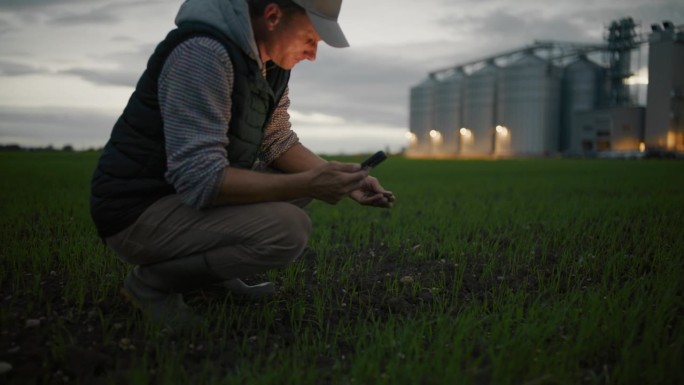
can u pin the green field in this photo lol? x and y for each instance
(486, 272)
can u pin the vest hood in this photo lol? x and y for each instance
(228, 16)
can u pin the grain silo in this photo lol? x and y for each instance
(585, 88)
(448, 115)
(422, 112)
(528, 107)
(665, 107)
(479, 107)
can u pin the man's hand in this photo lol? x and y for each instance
(371, 193)
(332, 181)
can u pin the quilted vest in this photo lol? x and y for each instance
(129, 176)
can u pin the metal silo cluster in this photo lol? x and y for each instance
(554, 98)
(476, 114)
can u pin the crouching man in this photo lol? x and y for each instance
(180, 191)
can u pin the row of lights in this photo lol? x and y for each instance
(465, 132)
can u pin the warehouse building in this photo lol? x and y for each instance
(555, 98)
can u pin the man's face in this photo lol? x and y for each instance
(292, 40)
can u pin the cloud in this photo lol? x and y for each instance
(359, 84)
(314, 118)
(57, 126)
(123, 68)
(495, 26)
(105, 77)
(71, 12)
(22, 4)
(351, 139)
(128, 66)
(642, 11)
(330, 134)
(106, 13)
(18, 69)
(503, 29)
(5, 26)
(95, 16)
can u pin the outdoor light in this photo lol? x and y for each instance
(642, 147)
(411, 137)
(436, 137)
(670, 140)
(501, 130)
(464, 145)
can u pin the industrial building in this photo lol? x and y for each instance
(556, 98)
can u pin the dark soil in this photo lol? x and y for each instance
(48, 340)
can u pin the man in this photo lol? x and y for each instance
(181, 189)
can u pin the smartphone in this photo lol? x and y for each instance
(374, 160)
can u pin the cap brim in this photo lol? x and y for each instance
(329, 31)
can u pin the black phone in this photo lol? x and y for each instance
(374, 160)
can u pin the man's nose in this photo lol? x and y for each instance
(311, 52)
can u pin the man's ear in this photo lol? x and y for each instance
(272, 15)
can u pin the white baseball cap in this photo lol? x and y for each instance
(323, 15)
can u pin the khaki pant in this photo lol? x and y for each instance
(237, 241)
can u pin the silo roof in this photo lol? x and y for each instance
(529, 59)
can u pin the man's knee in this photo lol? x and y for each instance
(289, 235)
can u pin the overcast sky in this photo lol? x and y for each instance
(67, 67)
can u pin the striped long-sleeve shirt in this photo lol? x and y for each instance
(195, 93)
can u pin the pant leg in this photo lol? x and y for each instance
(237, 241)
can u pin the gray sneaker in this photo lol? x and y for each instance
(164, 308)
(259, 291)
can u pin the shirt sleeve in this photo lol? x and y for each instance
(195, 88)
(278, 135)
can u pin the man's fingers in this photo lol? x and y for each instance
(353, 184)
(380, 200)
(344, 167)
(376, 187)
(354, 180)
